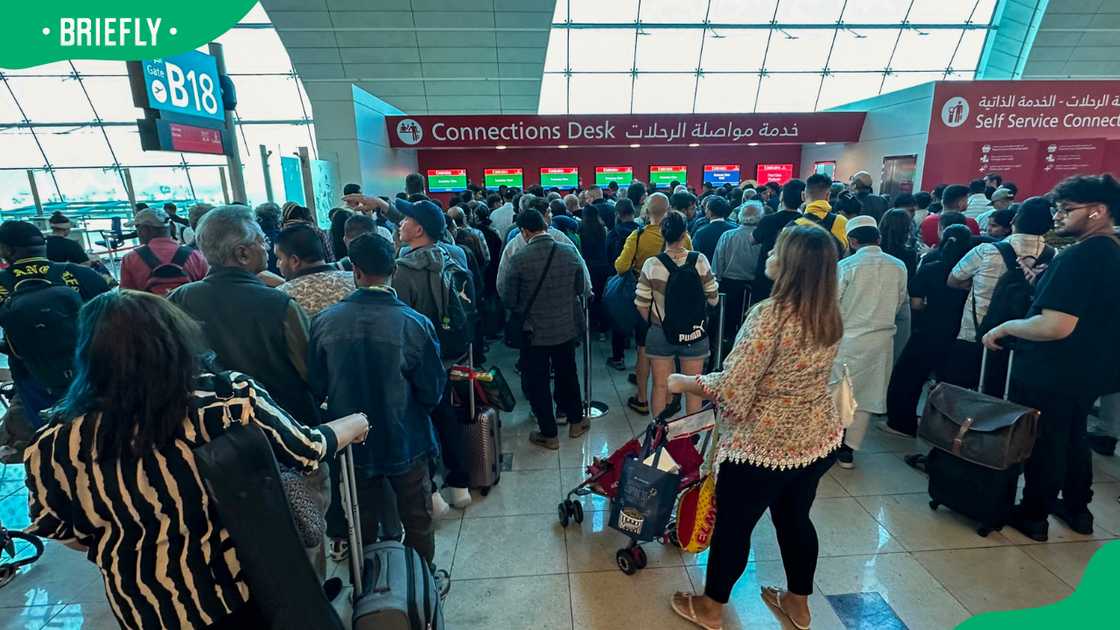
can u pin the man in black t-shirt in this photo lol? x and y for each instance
(1067, 356)
(766, 234)
(62, 248)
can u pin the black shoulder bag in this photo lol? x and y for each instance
(515, 334)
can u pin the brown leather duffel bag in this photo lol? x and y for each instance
(978, 428)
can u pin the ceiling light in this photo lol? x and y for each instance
(562, 146)
(752, 144)
(635, 146)
(819, 143)
(500, 146)
(693, 144)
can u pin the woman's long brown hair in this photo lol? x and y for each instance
(807, 281)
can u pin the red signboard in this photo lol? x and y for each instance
(559, 171)
(1013, 160)
(614, 169)
(196, 139)
(449, 172)
(1006, 110)
(453, 132)
(780, 173)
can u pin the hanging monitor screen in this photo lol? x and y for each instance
(663, 176)
(780, 173)
(564, 178)
(511, 177)
(447, 180)
(720, 174)
(604, 175)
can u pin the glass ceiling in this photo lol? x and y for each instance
(665, 56)
(74, 125)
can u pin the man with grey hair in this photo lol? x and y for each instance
(572, 205)
(735, 262)
(251, 327)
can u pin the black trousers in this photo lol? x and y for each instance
(536, 363)
(743, 493)
(1061, 461)
(412, 494)
(920, 358)
(452, 435)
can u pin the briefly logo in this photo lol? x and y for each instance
(410, 132)
(954, 112)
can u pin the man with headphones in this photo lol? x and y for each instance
(1064, 359)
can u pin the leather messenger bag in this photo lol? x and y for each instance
(985, 430)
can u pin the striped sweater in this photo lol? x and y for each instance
(655, 276)
(148, 523)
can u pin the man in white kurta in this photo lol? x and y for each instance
(872, 291)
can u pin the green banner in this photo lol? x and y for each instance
(36, 33)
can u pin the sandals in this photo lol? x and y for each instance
(689, 614)
(773, 598)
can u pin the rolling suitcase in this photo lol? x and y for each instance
(972, 471)
(484, 439)
(394, 588)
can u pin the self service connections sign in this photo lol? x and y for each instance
(36, 33)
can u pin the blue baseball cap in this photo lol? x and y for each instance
(426, 213)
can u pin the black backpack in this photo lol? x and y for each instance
(827, 222)
(165, 276)
(1013, 295)
(452, 294)
(686, 306)
(40, 322)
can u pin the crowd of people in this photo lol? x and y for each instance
(346, 336)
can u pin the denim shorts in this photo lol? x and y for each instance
(657, 347)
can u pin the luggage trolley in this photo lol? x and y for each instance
(678, 438)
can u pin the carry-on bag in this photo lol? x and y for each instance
(394, 588)
(981, 429)
(646, 494)
(975, 472)
(484, 439)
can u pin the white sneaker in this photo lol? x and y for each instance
(439, 506)
(460, 497)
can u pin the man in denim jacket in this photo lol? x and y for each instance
(372, 353)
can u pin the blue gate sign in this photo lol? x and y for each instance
(185, 84)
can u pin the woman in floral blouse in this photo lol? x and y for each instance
(779, 427)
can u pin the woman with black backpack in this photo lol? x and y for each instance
(671, 294)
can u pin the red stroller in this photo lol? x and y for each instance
(678, 438)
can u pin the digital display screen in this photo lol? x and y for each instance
(447, 180)
(511, 177)
(171, 136)
(604, 175)
(780, 173)
(564, 178)
(825, 168)
(720, 174)
(663, 176)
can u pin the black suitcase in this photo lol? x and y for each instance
(983, 494)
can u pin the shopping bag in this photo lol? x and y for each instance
(696, 515)
(645, 500)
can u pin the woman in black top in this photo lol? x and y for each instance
(114, 473)
(937, 312)
(338, 232)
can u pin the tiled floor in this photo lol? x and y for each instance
(513, 566)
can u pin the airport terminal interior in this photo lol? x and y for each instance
(519, 120)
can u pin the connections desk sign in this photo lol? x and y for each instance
(124, 30)
(455, 132)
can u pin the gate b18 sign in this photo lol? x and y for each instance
(185, 84)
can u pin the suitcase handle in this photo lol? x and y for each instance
(984, 370)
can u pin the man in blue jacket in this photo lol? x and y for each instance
(372, 353)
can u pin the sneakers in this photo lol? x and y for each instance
(1080, 522)
(618, 364)
(637, 406)
(460, 497)
(887, 428)
(1038, 531)
(551, 443)
(440, 508)
(845, 457)
(579, 428)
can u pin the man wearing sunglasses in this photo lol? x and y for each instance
(1066, 358)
